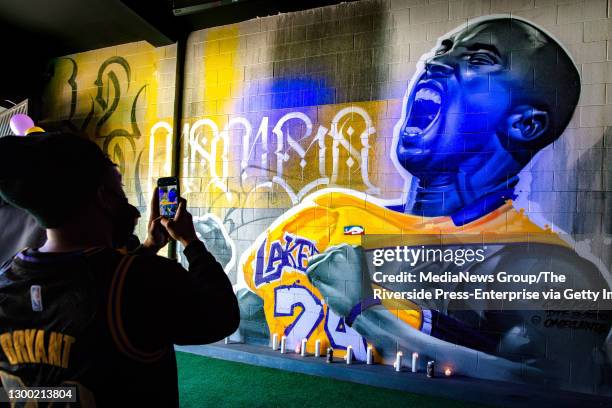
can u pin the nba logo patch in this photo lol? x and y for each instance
(36, 297)
(354, 230)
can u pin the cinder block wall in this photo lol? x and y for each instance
(122, 97)
(363, 54)
(280, 107)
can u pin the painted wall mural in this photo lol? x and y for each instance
(306, 136)
(122, 98)
(447, 158)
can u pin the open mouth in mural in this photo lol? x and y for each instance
(425, 109)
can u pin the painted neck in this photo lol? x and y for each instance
(467, 194)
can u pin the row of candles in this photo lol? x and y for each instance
(301, 349)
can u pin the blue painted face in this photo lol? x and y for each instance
(460, 106)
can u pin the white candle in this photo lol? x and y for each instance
(398, 361)
(349, 355)
(275, 342)
(303, 349)
(283, 344)
(227, 340)
(369, 359)
(448, 372)
(415, 357)
(318, 348)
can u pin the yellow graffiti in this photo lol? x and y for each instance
(122, 98)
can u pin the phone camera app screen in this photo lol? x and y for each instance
(168, 201)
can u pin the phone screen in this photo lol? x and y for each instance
(168, 200)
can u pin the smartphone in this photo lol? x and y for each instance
(168, 196)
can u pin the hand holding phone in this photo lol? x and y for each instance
(157, 235)
(181, 227)
(168, 188)
(173, 211)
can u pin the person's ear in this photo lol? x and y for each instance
(526, 124)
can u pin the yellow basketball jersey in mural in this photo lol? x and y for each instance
(275, 266)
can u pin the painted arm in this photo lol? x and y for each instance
(340, 274)
(390, 334)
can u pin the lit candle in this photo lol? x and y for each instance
(297, 349)
(303, 349)
(283, 344)
(398, 361)
(318, 348)
(369, 359)
(415, 357)
(275, 342)
(448, 372)
(330, 355)
(349, 355)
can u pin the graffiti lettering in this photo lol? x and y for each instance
(210, 147)
(292, 253)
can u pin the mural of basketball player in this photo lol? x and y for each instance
(485, 101)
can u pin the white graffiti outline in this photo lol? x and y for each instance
(285, 143)
(167, 164)
(212, 156)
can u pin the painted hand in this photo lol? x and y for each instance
(340, 273)
(211, 231)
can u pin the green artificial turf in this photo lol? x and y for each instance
(208, 382)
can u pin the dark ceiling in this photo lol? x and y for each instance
(33, 31)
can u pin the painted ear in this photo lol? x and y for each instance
(526, 124)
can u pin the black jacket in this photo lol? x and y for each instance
(107, 322)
